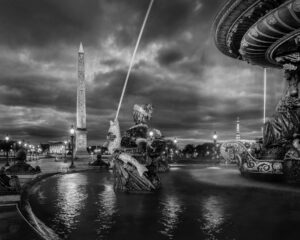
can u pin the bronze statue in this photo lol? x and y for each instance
(285, 123)
(134, 169)
(251, 31)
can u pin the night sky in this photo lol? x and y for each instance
(194, 89)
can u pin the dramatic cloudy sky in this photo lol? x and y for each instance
(194, 89)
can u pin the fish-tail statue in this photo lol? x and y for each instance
(134, 159)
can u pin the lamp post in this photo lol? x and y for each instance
(215, 137)
(65, 142)
(6, 146)
(30, 152)
(72, 132)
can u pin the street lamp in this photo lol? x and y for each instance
(151, 133)
(6, 145)
(72, 132)
(215, 137)
(92, 153)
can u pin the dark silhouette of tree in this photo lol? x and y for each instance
(201, 150)
(188, 149)
(45, 147)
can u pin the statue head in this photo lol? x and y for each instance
(113, 136)
(142, 113)
(21, 155)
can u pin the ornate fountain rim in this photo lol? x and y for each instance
(254, 30)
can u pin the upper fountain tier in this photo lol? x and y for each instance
(261, 32)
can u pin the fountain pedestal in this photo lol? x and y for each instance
(266, 34)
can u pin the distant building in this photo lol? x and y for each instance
(57, 147)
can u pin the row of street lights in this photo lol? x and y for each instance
(29, 147)
(32, 148)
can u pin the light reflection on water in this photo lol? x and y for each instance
(71, 195)
(213, 215)
(84, 206)
(170, 215)
(106, 210)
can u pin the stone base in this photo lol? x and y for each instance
(24, 178)
(163, 167)
(82, 155)
(291, 168)
(98, 163)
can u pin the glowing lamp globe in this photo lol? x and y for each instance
(72, 131)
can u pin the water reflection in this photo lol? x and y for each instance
(71, 191)
(183, 209)
(106, 210)
(170, 215)
(213, 215)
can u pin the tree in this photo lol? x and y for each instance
(188, 149)
(200, 149)
(45, 147)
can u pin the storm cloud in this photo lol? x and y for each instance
(194, 89)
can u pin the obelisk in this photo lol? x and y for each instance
(81, 131)
(238, 134)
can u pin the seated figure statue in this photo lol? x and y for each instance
(134, 170)
(285, 123)
(8, 184)
(278, 153)
(155, 150)
(137, 134)
(149, 142)
(21, 167)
